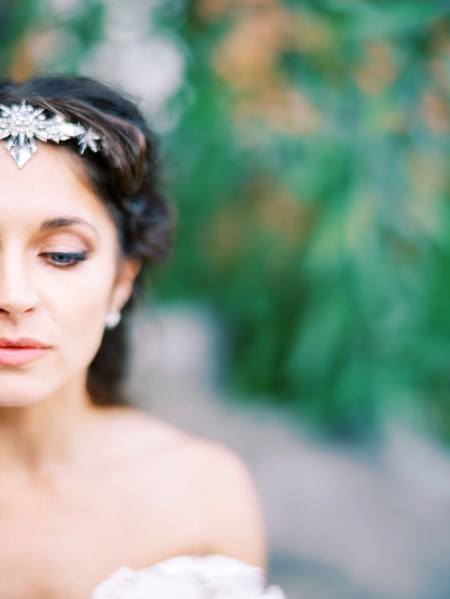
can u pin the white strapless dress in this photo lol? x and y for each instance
(189, 577)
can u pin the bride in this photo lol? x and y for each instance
(97, 499)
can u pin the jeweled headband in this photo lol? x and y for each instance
(21, 125)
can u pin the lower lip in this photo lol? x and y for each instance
(15, 356)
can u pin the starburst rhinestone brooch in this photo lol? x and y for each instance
(21, 125)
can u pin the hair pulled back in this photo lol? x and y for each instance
(124, 173)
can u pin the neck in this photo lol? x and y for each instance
(40, 440)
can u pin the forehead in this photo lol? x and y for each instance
(50, 184)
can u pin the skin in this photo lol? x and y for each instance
(77, 481)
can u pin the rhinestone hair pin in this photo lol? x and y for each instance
(21, 125)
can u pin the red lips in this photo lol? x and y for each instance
(22, 342)
(15, 352)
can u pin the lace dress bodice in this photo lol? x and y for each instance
(189, 577)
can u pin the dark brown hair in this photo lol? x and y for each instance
(124, 174)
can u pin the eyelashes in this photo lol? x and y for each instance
(64, 259)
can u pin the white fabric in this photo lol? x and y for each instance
(189, 577)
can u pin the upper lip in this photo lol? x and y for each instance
(22, 342)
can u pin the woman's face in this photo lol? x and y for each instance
(60, 274)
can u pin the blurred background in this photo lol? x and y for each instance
(304, 317)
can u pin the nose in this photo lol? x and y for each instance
(16, 294)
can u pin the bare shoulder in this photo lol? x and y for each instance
(226, 494)
(210, 478)
(220, 485)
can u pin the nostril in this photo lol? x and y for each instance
(17, 303)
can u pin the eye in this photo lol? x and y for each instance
(64, 259)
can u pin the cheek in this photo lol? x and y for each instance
(76, 303)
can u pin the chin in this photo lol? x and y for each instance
(22, 391)
(15, 398)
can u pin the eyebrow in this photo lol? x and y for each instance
(61, 222)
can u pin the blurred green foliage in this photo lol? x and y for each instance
(308, 155)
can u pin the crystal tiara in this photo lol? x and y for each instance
(22, 124)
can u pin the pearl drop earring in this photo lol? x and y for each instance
(112, 319)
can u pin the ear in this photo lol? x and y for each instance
(127, 271)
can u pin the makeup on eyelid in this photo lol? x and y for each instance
(71, 245)
(66, 238)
